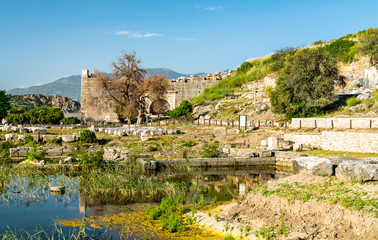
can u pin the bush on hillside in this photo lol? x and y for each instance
(369, 43)
(244, 68)
(185, 108)
(87, 136)
(305, 84)
(278, 58)
(341, 49)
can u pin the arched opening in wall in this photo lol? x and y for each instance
(159, 106)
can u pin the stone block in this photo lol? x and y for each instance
(20, 137)
(19, 152)
(35, 138)
(272, 143)
(357, 171)
(264, 143)
(297, 147)
(338, 160)
(265, 153)
(313, 165)
(68, 138)
(9, 137)
(38, 130)
(148, 165)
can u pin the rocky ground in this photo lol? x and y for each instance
(303, 218)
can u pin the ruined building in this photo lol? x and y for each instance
(97, 108)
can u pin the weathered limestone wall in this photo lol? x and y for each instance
(339, 141)
(181, 90)
(350, 141)
(96, 107)
(336, 123)
(311, 140)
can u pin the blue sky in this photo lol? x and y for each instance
(41, 41)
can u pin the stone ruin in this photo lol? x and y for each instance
(96, 108)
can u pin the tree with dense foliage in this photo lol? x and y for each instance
(41, 115)
(305, 84)
(4, 104)
(130, 88)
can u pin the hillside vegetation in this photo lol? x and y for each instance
(304, 75)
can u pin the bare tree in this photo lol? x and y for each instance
(130, 87)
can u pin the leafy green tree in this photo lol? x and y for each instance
(305, 84)
(4, 104)
(42, 115)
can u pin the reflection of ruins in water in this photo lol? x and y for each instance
(95, 207)
(222, 183)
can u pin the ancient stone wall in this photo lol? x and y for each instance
(311, 140)
(336, 123)
(94, 104)
(339, 141)
(350, 141)
(96, 107)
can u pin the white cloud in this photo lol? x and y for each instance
(184, 39)
(138, 35)
(38, 84)
(22, 86)
(152, 35)
(213, 8)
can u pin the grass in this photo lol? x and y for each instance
(257, 69)
(82, 232)
(114, 184)
(325, 154)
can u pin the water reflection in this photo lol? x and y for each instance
(27, 201)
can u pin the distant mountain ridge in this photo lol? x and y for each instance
(71, 86)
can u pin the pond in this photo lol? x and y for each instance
(27, 205)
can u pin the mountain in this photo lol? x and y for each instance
(71, 86)
(38, 100)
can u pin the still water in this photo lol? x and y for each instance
(26, 203)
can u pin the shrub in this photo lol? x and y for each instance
(189, 143)
(369, 43)
(170, 214)
(210, 150)
(70, 120)
(36, 154)
(92, 158)
(319, 42)
(87, 136)
(341, 49)
(353, 101)
(4, 148)
(151, 148)
(305, 84)
(185, 108)
(244, 68)
(375, 96)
